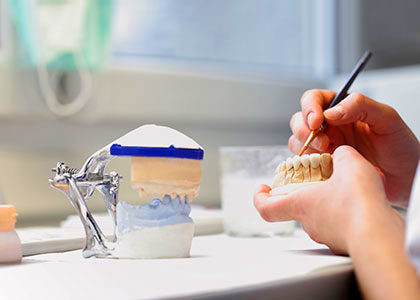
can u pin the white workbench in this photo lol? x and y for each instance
(220, 267)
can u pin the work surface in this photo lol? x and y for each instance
(219, 267)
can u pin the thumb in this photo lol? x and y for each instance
(347, 160)
(345, 157)
(356, 107)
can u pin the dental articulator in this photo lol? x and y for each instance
(166, 165)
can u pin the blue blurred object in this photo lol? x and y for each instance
(63, 34)
(171, 151)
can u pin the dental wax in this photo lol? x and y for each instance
(160, 176)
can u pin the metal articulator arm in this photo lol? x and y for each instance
(79, 186)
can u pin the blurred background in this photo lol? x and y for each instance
(76, 74)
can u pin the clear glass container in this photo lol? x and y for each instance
(243, 170)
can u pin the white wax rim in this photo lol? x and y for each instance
(156, 136)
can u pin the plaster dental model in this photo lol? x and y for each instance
(166, 165)
(301, 171)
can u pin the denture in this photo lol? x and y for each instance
(301, 171)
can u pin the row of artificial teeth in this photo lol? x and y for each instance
(306, 160)
(315, 167)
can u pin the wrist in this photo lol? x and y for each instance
(376, 225)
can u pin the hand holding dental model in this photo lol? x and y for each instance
(375, 156)
(374, 129)
(166, 165)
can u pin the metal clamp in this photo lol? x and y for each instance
(79, 186)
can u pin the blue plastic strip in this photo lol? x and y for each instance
(170, 151)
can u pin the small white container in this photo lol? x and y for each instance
(243, 170)
(10, 246)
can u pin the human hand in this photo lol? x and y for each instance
(374, 129)
(336, 211)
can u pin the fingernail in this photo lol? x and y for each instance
(310, 116)
(334, 113)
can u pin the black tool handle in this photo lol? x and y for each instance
(343, 92)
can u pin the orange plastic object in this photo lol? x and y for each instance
(7, 217)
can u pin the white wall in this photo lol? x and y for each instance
(397, 87)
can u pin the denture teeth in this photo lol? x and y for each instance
(289, 176)
(315, 167)
(298, 175)
(315, 157)
(305, 161)
(326, 165)
(307, 174)
(289, 163)
(279, 179)
(296, 162)
(173, 195)
(281, 167)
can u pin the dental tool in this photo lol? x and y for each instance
(338, 98)
(165, 164)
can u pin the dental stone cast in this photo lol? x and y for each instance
(160, 229)
(171, 175)
(298, 172)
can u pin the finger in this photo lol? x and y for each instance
(381, 118)
(299, 128)
(274, 209)
(313, 103)
(320, 144)
(364, 175)
(301, 131)
(336, 138)
(347, 158)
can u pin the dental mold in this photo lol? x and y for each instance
(301, 171)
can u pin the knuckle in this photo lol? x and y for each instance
(302, 134)
(292, 144)
(392, 113)
(307, 95)
(293, 120)
(358, 99)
